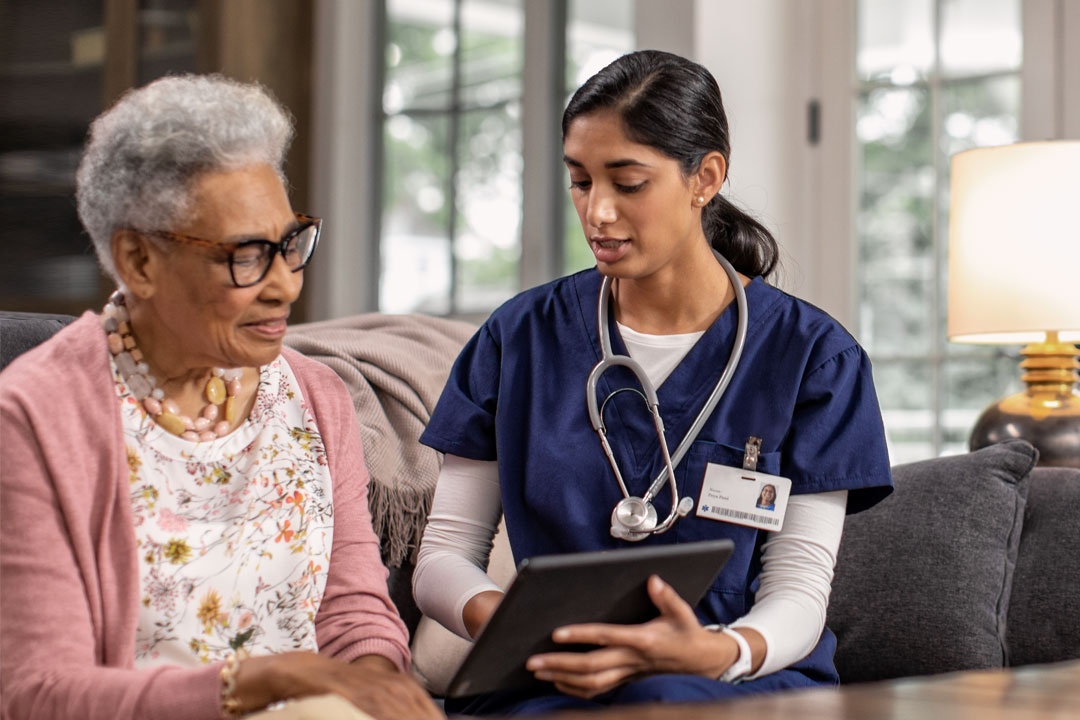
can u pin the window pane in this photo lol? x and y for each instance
(905, 392)
(977, 113)
(894, 223)
(895, 40)
(578, 255)
(980, 36)
(454, 207)
(894, 315)
(597, 32)
(937, 77)
(415, 248)
(971, 385)
(419, 54)
(492, 52)
(980, 113)
(487, 245)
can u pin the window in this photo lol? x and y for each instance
(934, 77)
(453, 175)
(452, 155)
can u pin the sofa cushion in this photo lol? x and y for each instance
(923, 578)
(1045, 603)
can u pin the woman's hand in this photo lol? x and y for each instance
(372, 683)
(377, 688)
(675, 642)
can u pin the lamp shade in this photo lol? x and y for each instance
(1014, 243)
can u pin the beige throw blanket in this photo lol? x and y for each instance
(395, 367)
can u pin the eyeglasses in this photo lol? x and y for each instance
(250, 260)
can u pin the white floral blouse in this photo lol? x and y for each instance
(233, 535)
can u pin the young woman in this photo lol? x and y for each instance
(645, 141)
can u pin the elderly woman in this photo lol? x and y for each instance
(185, 524)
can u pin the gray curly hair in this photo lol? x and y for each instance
(143, 153)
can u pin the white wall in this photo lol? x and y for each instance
(344, 152)
(665, 25)
(770, 60)
(762, 54)
(1051, 74)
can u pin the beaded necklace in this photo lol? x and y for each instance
(222, 387)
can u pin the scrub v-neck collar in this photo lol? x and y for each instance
(684, 392)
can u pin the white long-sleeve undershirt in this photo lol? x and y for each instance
(453, 558)
(790, 604)
(797, 561)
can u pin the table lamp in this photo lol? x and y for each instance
(1014, 278)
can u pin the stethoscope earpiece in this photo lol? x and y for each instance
(635, 518)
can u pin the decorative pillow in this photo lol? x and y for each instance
(1045, 602)
(923, 578)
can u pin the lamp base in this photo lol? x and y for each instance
(1050, 422)
(1047, 413)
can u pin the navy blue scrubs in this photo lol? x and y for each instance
(517, 395)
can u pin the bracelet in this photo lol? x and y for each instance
(230, 704)
(743, 661)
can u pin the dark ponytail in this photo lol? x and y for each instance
(673, 105)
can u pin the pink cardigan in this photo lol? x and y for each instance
(69, 585)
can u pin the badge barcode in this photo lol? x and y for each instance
(740, 515)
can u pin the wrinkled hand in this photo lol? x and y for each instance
(381, 691)
(371, 683)
(675, 642)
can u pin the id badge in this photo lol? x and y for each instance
(743, 497)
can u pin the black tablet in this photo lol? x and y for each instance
(555, 590)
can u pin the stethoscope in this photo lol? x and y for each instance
(634, 518)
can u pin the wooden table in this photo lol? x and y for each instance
(1037, 692)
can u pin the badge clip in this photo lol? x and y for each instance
(753, 451)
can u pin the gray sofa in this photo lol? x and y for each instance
(973, 562)
(21, 331)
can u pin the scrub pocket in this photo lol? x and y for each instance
(729, 597)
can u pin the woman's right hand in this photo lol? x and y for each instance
(479, 609)
(372, 683)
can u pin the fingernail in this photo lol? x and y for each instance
(560, 634)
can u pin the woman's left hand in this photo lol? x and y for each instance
(675, 642)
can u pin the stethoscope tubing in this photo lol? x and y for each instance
(608, 360)
(725, 378)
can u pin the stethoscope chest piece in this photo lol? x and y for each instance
(633, 519)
